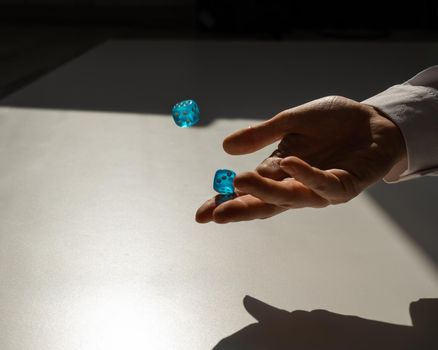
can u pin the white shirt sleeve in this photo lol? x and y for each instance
(413, 106)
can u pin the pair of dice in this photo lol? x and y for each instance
(186, 114)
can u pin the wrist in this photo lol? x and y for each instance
(391, 136)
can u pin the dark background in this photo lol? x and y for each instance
(39, 35)
(251, 17)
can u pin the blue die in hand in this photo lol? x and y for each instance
(185, 113)
(223, 181)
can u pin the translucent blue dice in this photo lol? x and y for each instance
(185, 113)
(223, 181)
(222, 198)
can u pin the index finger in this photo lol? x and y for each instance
(258, 136)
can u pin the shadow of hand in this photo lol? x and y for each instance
(319, 329)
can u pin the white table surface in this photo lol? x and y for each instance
(98, 244)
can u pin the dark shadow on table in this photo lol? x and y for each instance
(323, 330)
(413, 206)
(249, 80)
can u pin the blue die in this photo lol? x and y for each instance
(185, 113)
(223, 181)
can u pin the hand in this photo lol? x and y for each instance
(330, 150)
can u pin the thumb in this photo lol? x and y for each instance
(258, 136)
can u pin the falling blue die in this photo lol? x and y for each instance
(223, 181)
(185, 113)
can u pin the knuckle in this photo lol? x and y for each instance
(270, 168)
(334, 102)
(336, 98)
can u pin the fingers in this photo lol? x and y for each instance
(264, 198)
(256, 137)
(335, 185)
(291, 144)
(242, 208)
(288, 193)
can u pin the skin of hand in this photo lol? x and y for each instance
(329, 151)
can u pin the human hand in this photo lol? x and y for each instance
(330, 150)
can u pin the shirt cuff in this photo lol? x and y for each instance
(414, 109)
